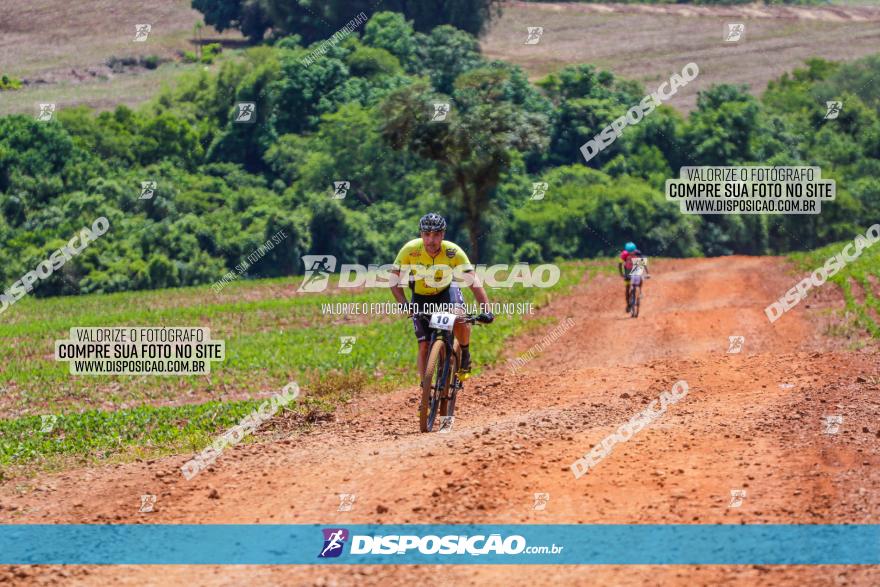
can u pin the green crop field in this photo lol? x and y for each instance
(272, 336)
(859, 281)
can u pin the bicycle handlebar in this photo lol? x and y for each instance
(467, 318)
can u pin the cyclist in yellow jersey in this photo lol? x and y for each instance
(432, 257)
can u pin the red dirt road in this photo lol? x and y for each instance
(751, 421)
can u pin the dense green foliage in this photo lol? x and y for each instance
(314, 21)
(362, 113)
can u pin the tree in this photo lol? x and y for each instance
(249, 16)
(472, 147)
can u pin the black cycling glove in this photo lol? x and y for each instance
(486, 317)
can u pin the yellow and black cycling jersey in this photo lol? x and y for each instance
(414, 261)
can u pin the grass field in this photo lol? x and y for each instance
(272, 334)
(859, 281)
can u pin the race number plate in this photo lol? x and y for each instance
(442, 321)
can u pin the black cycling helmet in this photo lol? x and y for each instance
(432, 222)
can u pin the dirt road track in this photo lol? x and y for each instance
(751, 421)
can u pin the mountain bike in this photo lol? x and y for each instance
(635, 294)
(441, 382)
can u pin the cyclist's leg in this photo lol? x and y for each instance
(420, 325)
(461, 330)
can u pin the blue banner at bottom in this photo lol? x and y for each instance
(568, 544)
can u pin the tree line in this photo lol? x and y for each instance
(364, 113)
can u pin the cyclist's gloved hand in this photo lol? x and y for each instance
(486, 317)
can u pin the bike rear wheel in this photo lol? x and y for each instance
(636, 298)
(434, 385)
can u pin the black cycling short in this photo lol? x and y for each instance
(449, 296)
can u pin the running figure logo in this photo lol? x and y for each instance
(535, 33)
(334, 540)
(446, 423)
(245, 112)
(47, 111)
(541, 500)
(147, 503)
(148, 188)
(539, 189)
(834, 108)
(735, 32)
(832, 424)
(346, 344)
(340, 188)
(142, 31)
(736, 344)
(318, 270)
(346, 502)
(47, 422)
(736, 498)
(441, 109)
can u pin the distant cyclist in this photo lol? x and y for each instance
(436, 256)
(625, 268)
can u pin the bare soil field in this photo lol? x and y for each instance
(651, 42)
(60, 49)
(751, 420)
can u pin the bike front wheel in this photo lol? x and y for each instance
(434, 385)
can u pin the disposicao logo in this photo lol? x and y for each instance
(334, 540)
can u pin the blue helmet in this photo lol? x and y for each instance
(629, 247)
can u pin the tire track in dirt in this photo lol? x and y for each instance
(750, 421)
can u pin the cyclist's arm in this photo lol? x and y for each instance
(620, 269)
(397, 289)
